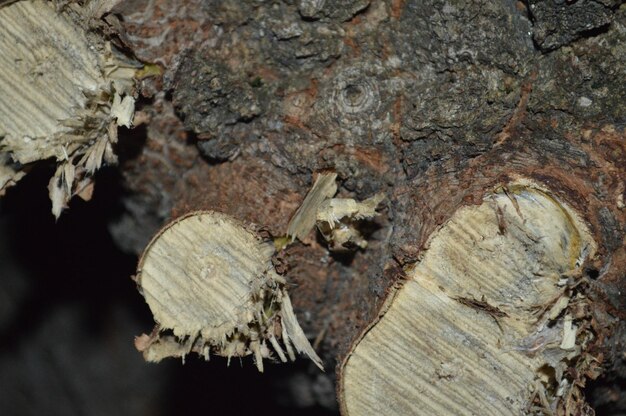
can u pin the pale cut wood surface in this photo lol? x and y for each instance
(303, 220)
(209, 279)
(64, 89)
(46, 66)
(200, 275)
(432, 355)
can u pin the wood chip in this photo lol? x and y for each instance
(303, 220)
(569, 334)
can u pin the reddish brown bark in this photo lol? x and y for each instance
(388, 114)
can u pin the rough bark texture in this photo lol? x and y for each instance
(431, 103)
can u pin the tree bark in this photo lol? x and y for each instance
(434, 104)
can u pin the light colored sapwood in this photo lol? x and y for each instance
(336, 218)
(63, 92)
(482, 323)
(303, 220)
(212, 289)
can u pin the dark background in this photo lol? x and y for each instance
(69, 311)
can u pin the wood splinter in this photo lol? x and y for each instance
(336, 218)
(212, 289)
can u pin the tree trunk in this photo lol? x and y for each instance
(452, 111)
(433, 104)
